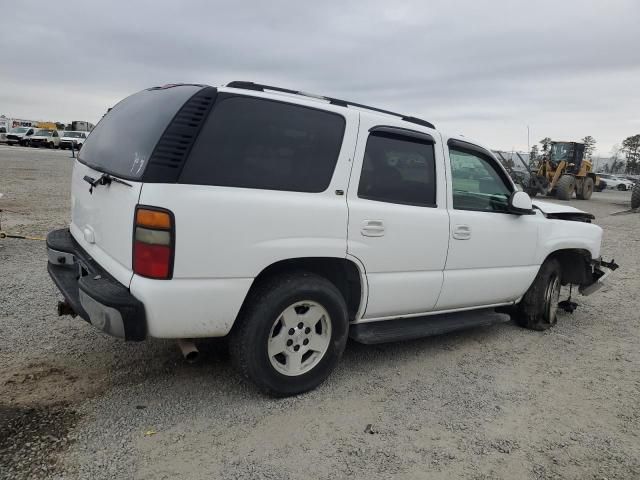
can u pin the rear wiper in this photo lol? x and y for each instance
(104, 179)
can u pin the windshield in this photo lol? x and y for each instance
(44, 133)
(560, 151)
(19, 130)
(124, 139)
(72, 135)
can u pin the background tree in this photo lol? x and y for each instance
(614, 158)
(631, 149)
(546, 145)
(589, 146)
(617, 166)
(533, 155)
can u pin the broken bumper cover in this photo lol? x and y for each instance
(601, 270)
(91, 292)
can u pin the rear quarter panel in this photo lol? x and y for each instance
(226, 236)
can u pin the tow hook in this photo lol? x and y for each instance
(65, 309)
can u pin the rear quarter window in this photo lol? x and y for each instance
(257, 143)
(122, 142)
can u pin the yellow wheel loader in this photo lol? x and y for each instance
(564, 171)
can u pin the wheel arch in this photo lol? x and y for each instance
(347, 275)
(574, 264)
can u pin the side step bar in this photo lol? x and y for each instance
(410, 328)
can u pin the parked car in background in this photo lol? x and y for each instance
(45, 138)
(72, 138)
(619, 183)
(3, 134)
(602, 185)
(20, 135)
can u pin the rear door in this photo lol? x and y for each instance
(398, 220)
(120, 146)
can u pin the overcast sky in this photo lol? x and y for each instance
(485, 69)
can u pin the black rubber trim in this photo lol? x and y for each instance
(470, 147)
(174, 146)
(258, 87)
(401, 329)
(96, 283)
(403, 132)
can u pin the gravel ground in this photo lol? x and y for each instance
(496, 402)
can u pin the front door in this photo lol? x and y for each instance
(398, 221)
(491, 252)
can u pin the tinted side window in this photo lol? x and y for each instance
(256, 143)
(477, 183)
(398, 169)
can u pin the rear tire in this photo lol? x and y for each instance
(622, 187)
(635, 196)
(587, 189)
(539, 306)
(565, 187)
(290, 333)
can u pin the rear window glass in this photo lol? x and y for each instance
(256, 143)
(124, 139)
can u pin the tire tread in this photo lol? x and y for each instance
(265, 293)
(530, 311)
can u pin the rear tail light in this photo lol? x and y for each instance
(153, 242)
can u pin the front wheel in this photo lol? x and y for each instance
(565, 187)
(622, 187)
(538, 309)
(290, 333)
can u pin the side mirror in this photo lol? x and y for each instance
(520, 203)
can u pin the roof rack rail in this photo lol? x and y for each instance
(334, 101)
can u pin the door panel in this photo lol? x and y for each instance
(491, 253)
(403, 246)
(484, 286)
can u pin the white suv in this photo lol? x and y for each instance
(289, 222)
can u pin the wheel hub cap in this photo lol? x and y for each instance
(552, 298)
(299, 338)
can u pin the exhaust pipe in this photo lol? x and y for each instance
(189, 350)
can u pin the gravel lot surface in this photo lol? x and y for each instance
(496, 402)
